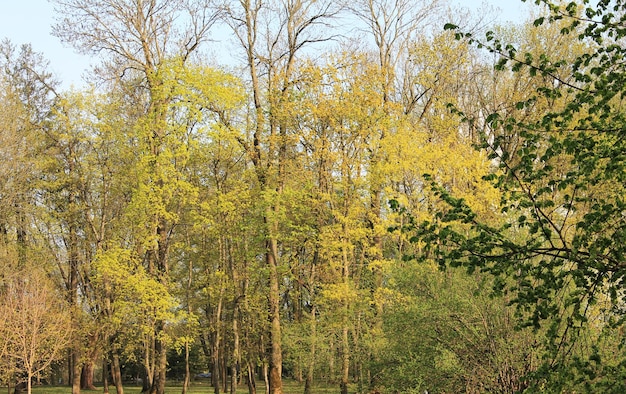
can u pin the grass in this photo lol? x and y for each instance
(289, 387)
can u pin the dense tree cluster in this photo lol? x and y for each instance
(383, 195)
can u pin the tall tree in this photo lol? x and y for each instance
(28, 94)
(144, 42)
(273, 35)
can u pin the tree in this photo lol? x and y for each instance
(145, 44)
(92, 132)
(559, 245)
(37, 327)
(27, 91)
(273, 36)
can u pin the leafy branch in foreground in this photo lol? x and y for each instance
(559, 248)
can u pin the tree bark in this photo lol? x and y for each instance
(86, 376)
(216, 344)
(105, 376)
(345, 360)
(345, 344)
(308, 383)
(266, 378)
(187, 372)
(160, 349)
(76, 371)
(116, 372)
(251, 380)
(276, 356)
(148, 365)
(236, 357)
(159, 268)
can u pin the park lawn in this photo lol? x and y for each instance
(289, 387)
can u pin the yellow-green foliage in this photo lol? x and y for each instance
(134, 300)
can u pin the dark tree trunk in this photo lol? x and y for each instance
(86, 376)
(105, 377)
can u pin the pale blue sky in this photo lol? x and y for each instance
(30, 21)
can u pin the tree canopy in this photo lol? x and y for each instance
(382, 196)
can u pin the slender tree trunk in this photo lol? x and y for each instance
(251, 380)
(236, 357)
(215, 374)
(274, 383)
(276, 356)
(266, 378)
(217, 381)
(331, 363)
(159, 259)
(224, 367)
(345, 359)
(158, 384)
(345, 344)
(233, 378)
(148, 365)
(308, 383)
(187, 372)
(116, 372)
(105, 376)
(189, 311)
(356, 340)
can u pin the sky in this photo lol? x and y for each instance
(30, 21)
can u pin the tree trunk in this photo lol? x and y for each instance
(345, 344)
(187, 372)
(276, 356)
(251, 380)
(158, 384)
(105, 376)
(217, 381)
(236, 359)
(224, 367)
(116, 373)
(233, 379)
(345, 359)
(146, 381)
(76, 372)
(331, 363)
(158, 259)
(266, 378)
(215, 374)
(308, 383)
(189, 311)
(86, 376)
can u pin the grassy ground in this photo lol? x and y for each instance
(289, 387)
